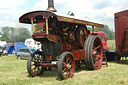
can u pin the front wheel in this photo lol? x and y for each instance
(34, 67)
(66, 65)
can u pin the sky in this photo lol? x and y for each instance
(98, 11)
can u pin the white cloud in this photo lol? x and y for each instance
(11, 3)
(10, 17)
(99, 11)
(10, 12)
(41, 5)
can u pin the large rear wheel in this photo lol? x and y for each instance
(66, 65)
(81, 34)
(33, 64)
(93, 52)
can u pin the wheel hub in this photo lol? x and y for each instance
(68, 66)
(37, 64)
(94, 52)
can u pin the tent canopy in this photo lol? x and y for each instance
(14, 47)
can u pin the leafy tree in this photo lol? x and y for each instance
(11, 34)
(21, 34)
(108, 33)
(5, 34)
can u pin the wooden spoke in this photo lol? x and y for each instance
(95, 42)
(67, 72)
(32, 64)
(64, 63)
(98, 57)
(64, 70)
(97, 64)
(67, 60)
(70, 62)
(38, 68)
(33, 68)
(97, 47)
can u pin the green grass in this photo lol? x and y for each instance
(14, 72)
(111, 44)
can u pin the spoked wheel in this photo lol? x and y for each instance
(94, 53)
(81, 34)
(66, 65)
(33, 64)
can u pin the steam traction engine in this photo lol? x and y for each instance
(65, 43)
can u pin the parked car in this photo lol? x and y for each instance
(24, 53)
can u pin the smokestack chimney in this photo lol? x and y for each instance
(51, 6)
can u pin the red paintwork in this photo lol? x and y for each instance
(48, 65)
(79, 54)
(104, 40)
(76, 54)
(82, 54)
(48, 57)
(121, 23)
(68, 46)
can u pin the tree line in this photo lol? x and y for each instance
(110, 35)
(11, 35)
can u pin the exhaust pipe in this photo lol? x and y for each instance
(51, 6)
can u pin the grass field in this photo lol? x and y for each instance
(111, 44)
(14, 72)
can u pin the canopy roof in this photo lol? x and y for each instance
(26, 18)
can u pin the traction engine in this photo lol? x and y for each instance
(65, 40)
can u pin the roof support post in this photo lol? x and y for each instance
(31, 27)
(47, 27)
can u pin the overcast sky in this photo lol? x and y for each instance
(99, 11)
